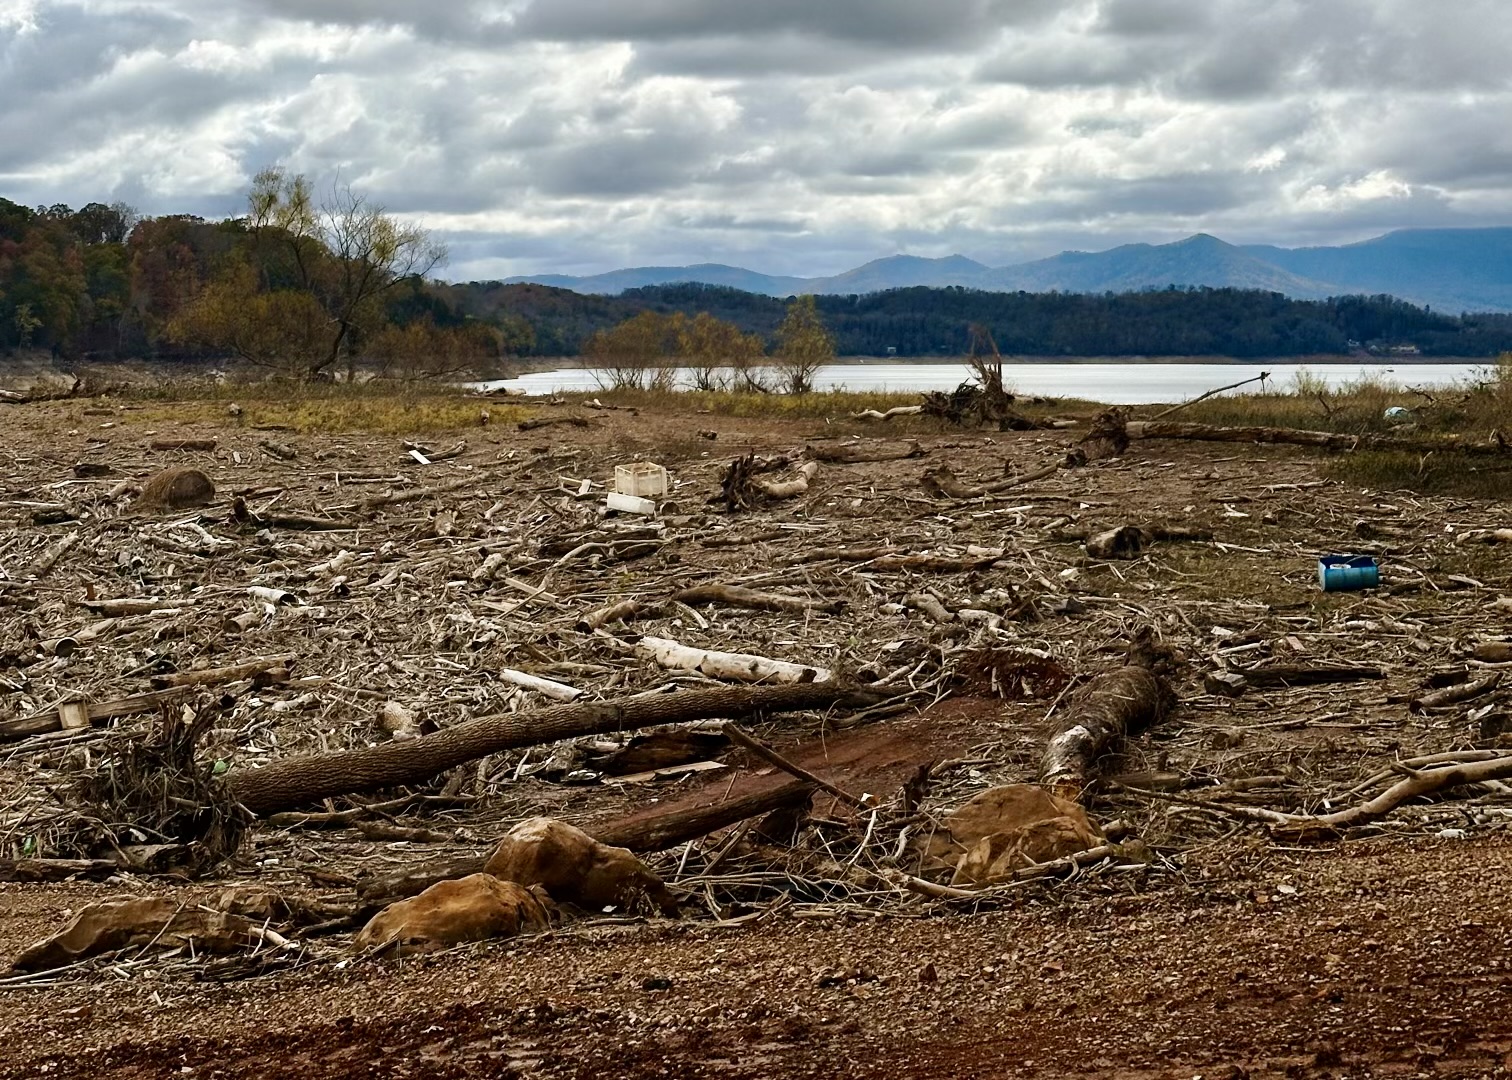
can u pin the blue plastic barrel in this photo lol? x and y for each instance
(1341, 573)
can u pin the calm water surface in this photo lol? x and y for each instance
(1117, 384)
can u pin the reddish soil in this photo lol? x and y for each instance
(1367, 960)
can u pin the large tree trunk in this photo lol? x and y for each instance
(284, 785)
(1109, 707)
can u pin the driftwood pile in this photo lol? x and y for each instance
(378, 666)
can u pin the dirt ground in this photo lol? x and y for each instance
(1221, 953)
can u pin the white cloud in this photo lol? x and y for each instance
(794, 136)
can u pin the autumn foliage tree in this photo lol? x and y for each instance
(647, 350)
(308, 285)
(803, 346)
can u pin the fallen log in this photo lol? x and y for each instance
(788, 489)
(1112, 705)
(619, 611)
(1309, 676)
(1453, 695)
(937, 564)
(1327, 440)
(1485, 536)
(866, 554)
(266, 668)
(858, 452)
(664, 831)
(642, 835)
(738, 667)
(293, 782)
(163, 445)
(548, 687)
(52, 719)
(243, 515)
(553, 421)
(766, 753)
(737, 597)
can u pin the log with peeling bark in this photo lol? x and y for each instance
(859, 452)
(736, 667)
(1112, 705)
(737, 597)
(297, 781)
(1328, 440)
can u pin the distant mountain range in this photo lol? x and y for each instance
(1451, 270)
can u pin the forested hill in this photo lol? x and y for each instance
(100, 284)
(935, 322)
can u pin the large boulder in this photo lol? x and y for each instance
(159, 922)
(574, 868)
(473, 908)
(1009, 828)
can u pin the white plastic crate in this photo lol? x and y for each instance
(643, 478)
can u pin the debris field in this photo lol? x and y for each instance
(934, 753)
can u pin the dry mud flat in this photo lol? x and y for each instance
(1222, 952)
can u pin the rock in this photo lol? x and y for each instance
(176, 488)
(473, 908)
(576, 869)
(1008, 828)
(162, 922)
(398, 721)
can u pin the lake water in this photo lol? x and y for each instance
(1115, 384)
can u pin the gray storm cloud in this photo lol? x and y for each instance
(792, 136)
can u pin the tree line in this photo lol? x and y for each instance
(323, 285)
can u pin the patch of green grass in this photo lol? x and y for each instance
(1432, 474)
(382, 408)
(1473, 408)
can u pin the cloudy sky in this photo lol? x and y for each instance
(789, 136)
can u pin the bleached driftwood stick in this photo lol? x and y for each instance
(547, 687)
(788, 489)
(737, 667)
